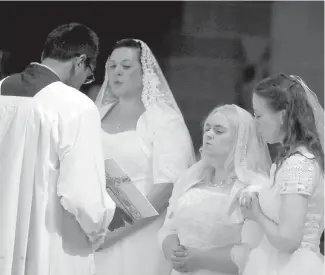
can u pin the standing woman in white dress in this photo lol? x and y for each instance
(144, 130)
(291, 211)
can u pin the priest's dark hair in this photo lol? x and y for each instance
(71, 40)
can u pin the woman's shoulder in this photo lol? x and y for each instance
(299, 173)
(190, 177)
(161, 117)
(303, 151)
(300, 157)
(298, 164)
(161, 111)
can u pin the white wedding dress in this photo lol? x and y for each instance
(201, 221)
(158, 151)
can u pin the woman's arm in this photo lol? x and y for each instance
(287, 234)
(298, 183)
(170, 243)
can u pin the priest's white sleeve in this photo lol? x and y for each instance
(81, 184)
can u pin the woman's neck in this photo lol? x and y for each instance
(217, 166)
(218, 173)
(216, 178)
(215, 173)
(131, 103)
(219, 176)
(130, 107)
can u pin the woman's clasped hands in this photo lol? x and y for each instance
(186, 259)
(249, 204)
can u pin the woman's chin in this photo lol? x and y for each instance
(122, 93)
(118, 92)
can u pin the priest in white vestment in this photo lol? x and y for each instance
(54, 209)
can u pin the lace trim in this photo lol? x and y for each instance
(151, 93)
(240, 154)
(298, 177)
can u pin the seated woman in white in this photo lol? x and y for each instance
(144, 130)
(291, 211)
(200, 235)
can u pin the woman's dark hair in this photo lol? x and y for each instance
(128, 43)
(71, 40)
(284, 92)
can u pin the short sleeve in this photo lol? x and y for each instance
(298, 175)
(172, 151)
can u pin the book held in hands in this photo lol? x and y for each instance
(125, 194)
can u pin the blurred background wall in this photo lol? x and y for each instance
(211, 52)
(297, 32)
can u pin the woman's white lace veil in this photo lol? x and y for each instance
(154, 84)
(250, 159)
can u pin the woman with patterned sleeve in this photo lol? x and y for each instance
(291, 211)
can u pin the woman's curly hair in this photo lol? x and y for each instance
(284, 92)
